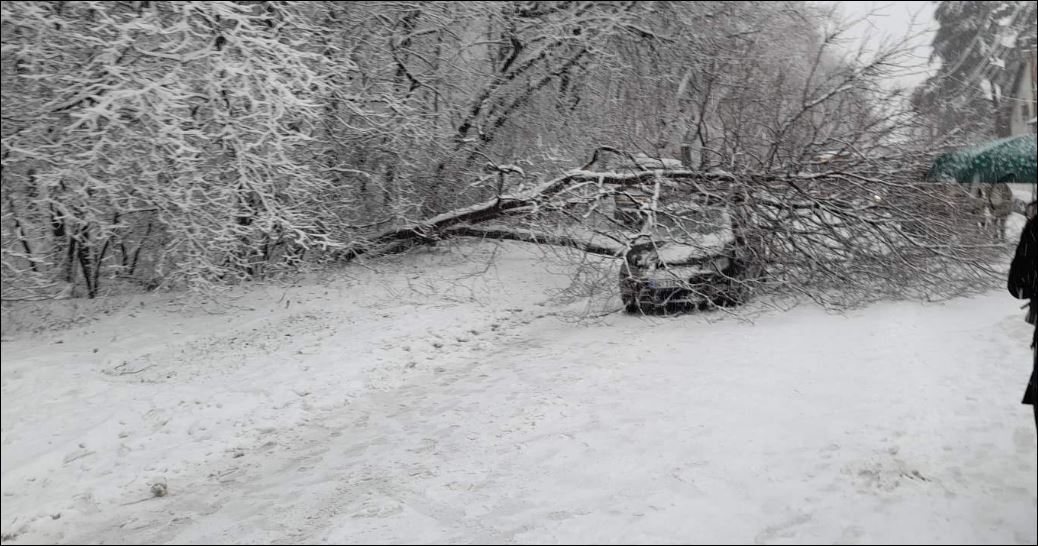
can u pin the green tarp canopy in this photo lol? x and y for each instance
(1006, 160)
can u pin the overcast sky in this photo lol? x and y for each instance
(889, 20)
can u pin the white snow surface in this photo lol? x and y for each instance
(1023, 192)
(418, 402)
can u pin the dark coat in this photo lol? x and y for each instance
(1023, 284)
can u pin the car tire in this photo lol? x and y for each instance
(631, 304)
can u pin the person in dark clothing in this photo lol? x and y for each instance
(1023, 284)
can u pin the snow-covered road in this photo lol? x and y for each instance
(428, 405)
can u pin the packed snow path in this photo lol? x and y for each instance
(427, 405)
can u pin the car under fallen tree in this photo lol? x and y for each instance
(685, 252)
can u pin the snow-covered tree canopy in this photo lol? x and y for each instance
(191, 143)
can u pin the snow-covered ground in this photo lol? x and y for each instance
(1022, 195)
(420, 402)
(1023, 191)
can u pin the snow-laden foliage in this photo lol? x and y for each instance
(192, 143)
(170, 142)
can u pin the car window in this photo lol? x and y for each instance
(677, 223)
(628, 210)
(676, 218)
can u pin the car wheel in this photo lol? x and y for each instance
(631, 304)
(737, 290)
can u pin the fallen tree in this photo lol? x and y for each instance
(539, 237)
(537, 199)
(837, 237)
